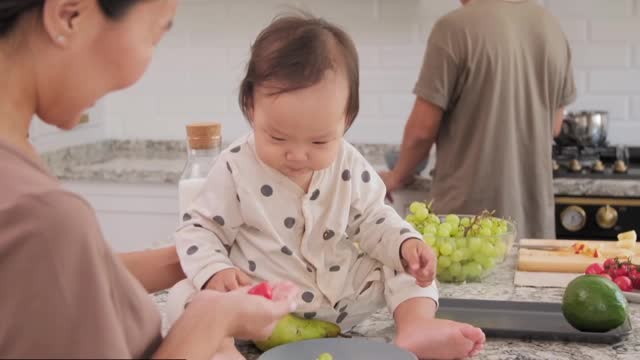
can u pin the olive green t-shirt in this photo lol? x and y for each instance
(64, 293)
(499, 70)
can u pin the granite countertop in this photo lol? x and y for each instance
(499, 286)
(162, 162)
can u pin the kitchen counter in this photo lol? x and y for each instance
(161, 162)
(499, 286)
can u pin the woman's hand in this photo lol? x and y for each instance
(252, 317)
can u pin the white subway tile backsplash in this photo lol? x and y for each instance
(591, 8)
(621, 30)
(589, 55)
(614, 81)
(574, 29)
(635, 109)
(617, 106)
(397, 106)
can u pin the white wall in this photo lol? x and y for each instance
(198, 65)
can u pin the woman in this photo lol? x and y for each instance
(70, 296)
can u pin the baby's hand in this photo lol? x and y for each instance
(228, 280)
(419, 260)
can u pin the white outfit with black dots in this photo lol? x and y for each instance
(252, 217)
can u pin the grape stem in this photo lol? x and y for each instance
(486, 214)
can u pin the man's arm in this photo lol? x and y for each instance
(419, 135)
(557, 122)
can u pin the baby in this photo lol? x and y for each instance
(293, 201)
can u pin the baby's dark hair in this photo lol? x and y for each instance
(294, 52)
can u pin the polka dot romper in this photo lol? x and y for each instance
(338, 241)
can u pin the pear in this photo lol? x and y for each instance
(292, 328)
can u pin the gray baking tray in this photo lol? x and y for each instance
(523, 320)
(352, 349)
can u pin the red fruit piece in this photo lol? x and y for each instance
(594, 269)
(609, 263)
(622, 271)
(624, 283)
(263, 289)
(636, 283)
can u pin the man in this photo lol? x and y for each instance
(495, 80)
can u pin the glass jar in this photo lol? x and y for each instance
(204, 144)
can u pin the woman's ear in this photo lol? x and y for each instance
(61, 19)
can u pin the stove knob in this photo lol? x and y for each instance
(575, 166)
(620, 167)
(607, 217)
(573, 218)
(598, 166)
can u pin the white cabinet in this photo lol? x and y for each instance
(132, 217)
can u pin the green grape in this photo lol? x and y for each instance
(446, 226)
(475, 244)
(325, 356)
(457, 256)
(430, 239)
(486, 223)
(477, 257)
(445, 276)
(466, 254)
(422, 214)
(452, 219)
(455, 269)
(411, 219)
(433, 219)
(417, 206)
(461, 243)
(460, 232)
(503, 230)
(486, 232)
(454, 232)
(472, 270)
(489, 250)
(446, 249)
(444, 230)
(419, 227)
(487, 263)
(465, 222)
(430, 229)
(445, 261)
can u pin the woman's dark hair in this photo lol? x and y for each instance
(12, 10)
(295, 52)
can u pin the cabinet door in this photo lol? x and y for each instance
(132, 217)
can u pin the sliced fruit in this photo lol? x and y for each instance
(627, 240)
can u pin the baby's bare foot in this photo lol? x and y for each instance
(441, 339)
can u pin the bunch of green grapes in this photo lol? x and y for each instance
(467, 247)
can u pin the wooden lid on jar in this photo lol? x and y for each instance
(205, 135)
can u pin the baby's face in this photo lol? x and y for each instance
(301, 131)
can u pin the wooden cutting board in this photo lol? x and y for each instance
(559, 257)
(557, 280)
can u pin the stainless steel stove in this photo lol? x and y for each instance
(596, 218)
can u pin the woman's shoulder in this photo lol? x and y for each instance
(53, 215)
